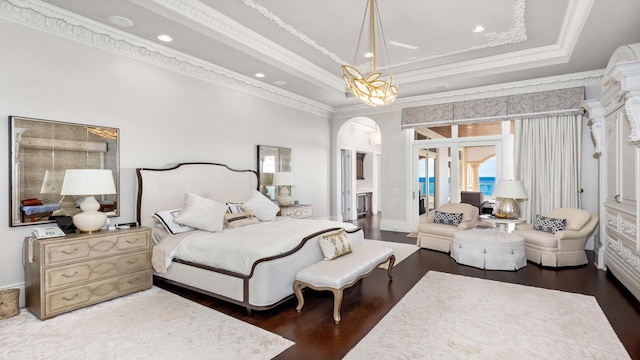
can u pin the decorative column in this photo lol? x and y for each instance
(595, 113)
(475, 175)
(632, 108)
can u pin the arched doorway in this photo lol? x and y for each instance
(358, 142)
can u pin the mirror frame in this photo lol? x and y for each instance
(282, 162)
(71, 141)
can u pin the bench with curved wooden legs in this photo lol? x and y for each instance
(341, 273)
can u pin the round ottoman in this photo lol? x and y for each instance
(488, 249)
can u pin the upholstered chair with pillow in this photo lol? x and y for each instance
(436, 230)
(558, 238)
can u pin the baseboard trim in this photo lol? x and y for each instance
(393, 225)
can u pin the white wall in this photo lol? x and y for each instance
(164, 118)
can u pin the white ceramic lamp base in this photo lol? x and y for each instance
(90, 219)
(284, 197)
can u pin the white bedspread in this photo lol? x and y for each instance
(237, 249)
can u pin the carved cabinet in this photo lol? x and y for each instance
(615, 124)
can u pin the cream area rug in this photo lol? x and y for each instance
(447, 316)
(400, 250)
(153, 324)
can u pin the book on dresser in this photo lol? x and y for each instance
(67, 273)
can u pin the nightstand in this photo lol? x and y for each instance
(297, 211)
(67, 273)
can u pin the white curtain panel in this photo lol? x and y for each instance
(547, 161)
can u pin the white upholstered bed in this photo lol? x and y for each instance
(266, 281)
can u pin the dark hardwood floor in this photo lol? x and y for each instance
(364, 304)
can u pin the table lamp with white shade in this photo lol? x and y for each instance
(284, 179)
(52, 184)
(88, 182)
(510, 191)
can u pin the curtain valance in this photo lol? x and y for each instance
(531, 105)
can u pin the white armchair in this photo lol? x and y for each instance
(564, 247)
(439, 237)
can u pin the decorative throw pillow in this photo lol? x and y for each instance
(201, 213)
(334, 244)
(240, 219)
(234, 207)
(166, 219)
(549, 224)
(447, 218)
(261, 207)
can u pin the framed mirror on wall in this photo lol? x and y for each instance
(272, 159)
(41, 151)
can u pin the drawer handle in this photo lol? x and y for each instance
(132, 261)
(69, 252)
(71, 298)
(133, 241)
(69, 276)
(617, 198)
(133, 281)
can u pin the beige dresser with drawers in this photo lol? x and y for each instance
(67, 273)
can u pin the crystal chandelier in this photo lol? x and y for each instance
(370, 88)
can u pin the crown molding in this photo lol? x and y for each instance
(518, 60)
(586, 79)
(243, 38)
(514, 35)
(575, 17)
(48, 18)
(291, 30)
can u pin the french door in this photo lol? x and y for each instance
(441, 168)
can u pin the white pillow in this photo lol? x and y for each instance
(202, 213)
(261, 207)
(166, 217)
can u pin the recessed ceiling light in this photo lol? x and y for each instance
(120, 21)
(259, 75)
(479, 29)
(368, 55)
(165, 38)
(279, 83)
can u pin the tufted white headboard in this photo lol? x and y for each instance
(164, 189)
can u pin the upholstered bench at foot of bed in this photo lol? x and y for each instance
(341, 273)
